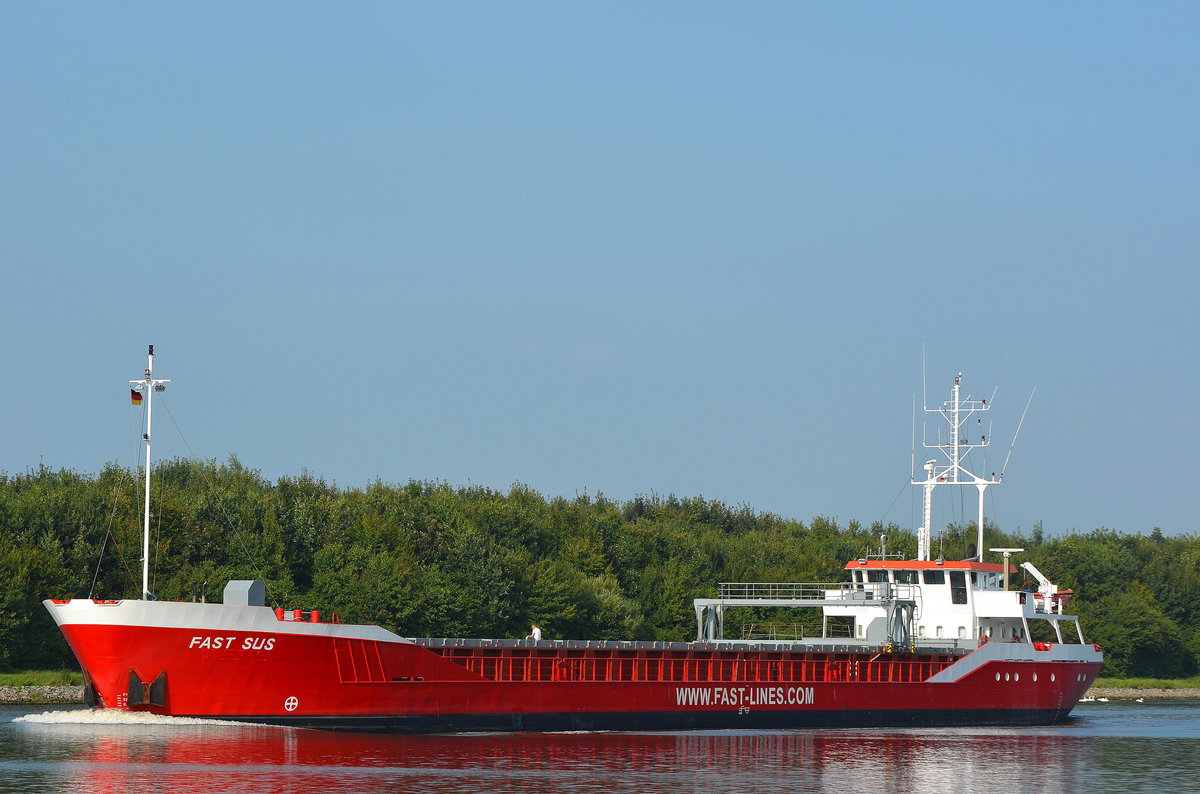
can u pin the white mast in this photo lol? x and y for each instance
(147, 386)
(956, 412)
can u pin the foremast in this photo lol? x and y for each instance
(146, 387)
(953, 470)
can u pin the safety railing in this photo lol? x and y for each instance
(800, 591)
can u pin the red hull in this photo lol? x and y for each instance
(350, 677)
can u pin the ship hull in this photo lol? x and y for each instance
(244, 663)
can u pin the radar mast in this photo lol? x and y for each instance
(146, 387)
(953, 469)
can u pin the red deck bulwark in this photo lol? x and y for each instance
(560, 664)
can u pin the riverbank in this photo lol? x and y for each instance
(48, 695)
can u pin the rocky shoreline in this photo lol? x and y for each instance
(40, 695)
(1129, 693)
(50, 695)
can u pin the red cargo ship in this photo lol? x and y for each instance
(905, 643)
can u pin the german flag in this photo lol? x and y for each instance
(135, 397)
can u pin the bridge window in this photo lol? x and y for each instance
(906, 577)
(935, 577)
(958, 587)
(877, 576)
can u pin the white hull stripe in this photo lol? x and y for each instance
(204, 617)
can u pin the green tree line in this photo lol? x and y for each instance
(430, 559)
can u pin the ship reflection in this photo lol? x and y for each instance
(186, 758)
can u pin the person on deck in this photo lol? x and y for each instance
(534, 634)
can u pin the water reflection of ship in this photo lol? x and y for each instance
(205, 758)
(902, 761)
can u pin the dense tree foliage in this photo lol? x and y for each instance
(428, 559)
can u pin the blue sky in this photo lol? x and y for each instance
(627, 248)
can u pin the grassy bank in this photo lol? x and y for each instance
(42, 678)
(1148, 683)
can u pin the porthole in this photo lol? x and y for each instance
(997, 676)
(1006, 677)
(1016, 676)
(1052, 678)
(1035, 678)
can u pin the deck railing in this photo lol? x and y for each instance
(810, 591)
(794, 631)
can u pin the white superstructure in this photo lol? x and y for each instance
(908, 604)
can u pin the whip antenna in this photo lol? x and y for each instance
(912, 466)
(924, 387)
(1014, 441)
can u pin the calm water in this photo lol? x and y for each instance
(1118, 746)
